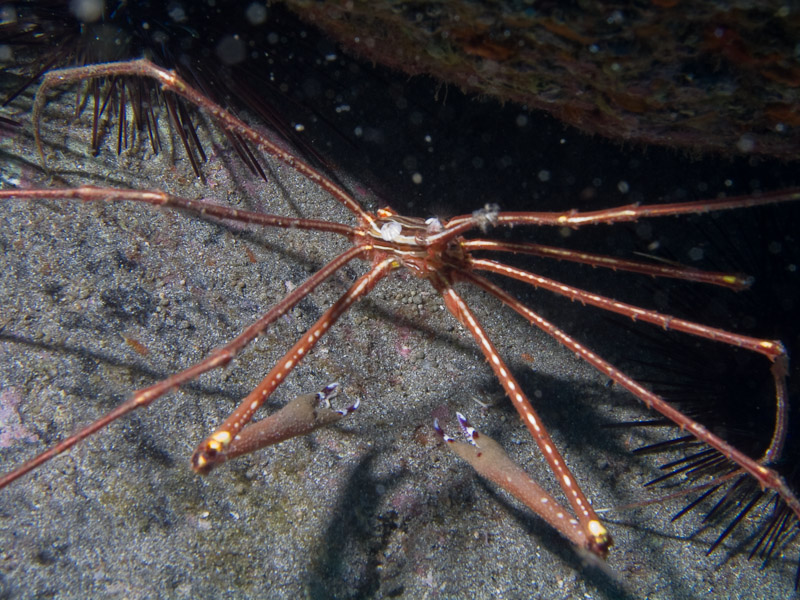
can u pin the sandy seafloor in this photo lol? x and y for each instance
(371, 507)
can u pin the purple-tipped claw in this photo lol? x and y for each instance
(441, 432)
(352, 408)
(328, 392)
(467, 429)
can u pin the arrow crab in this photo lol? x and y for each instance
(442, 252)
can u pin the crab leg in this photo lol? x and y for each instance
(489, 459)
(171, 82)
(301, 416)
(90, 193)
(769, 348)
(217, 358)
(598, 538)
(212, 450)
(632, 212)
(767, 477)
(729, 280)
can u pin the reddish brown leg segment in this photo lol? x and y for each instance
(218, 358)
(734, 282)
(211, 451)
(598, 538)
(489, 459)
(171, 82)
(766, 476)
(301, 416)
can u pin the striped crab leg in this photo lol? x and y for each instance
(623, 214)
(772, 349)
(213, 449)
(218, 358)
(732, 281)
(598, 538)
(489, 459)
(768, 478)
(170, 82)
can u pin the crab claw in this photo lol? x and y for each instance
(437, 428)
(468, 430)
(489, 459)
(301, 416)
